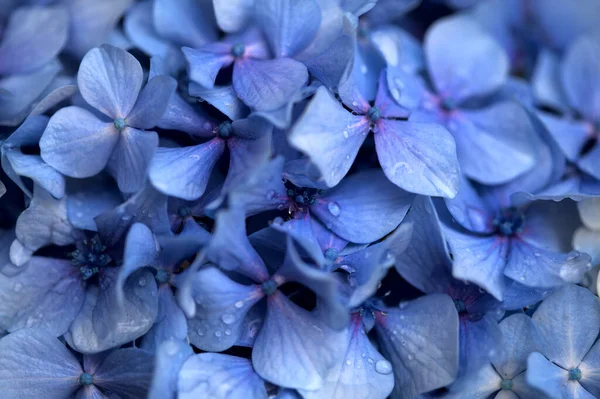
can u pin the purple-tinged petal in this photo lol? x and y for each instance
(32, 37)
(418, 157)
(170, 324)
(47, 294)
(204, 64)
(300, 228)
(494, 144)
(110, 80)
(131, 157)
(185, 22)
(218, 376)
(170, 357)
(233, 15)
(355, 375)
(103, 323)
(44, 222)
(222, 305)
(536, 267)
(223, 98)
(289, 25)
(126, 372)
(315, 347)
(329, 135)
(266, 85)
(152, 102)
(353, 209)
(77, 143)
(34, 364)
(567, 332)
(580, 78)
(350, 92)
(480, 260)
(421, 341)
(425, 263)
(231, 249)
(519, 339)
(548, 377)
(92, 22)
(463, 60)
(184, 172)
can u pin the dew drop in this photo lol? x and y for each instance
(228, 318)
(218, 334)
(334, 208)
(239, 304)
(346, 134)
(17, 287)
(363, 69)
(354, 103)
(410, 357)
(142, 282)
(370, 361)
(383, 367)
(170, 348)
(200, 332)
(228, 332)
(537, 254)
(348, 157)
(348, 362)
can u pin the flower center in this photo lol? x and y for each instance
(86, 379)
(225, 130)
(374, 114)
(448, 104)
(303, 196)
(269, 287)
(509, 222)
(120, 124)
(331, 254)
(238, 50)
(507, 385)
(575, 374)
(162, 276)
(460, 306)
(90, 256)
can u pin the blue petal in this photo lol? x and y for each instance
(223, 98)
(77, 143)
(92, 24)
(250, 146)
(170, 324)
(355, 375)
(425, 264)
(140, 30)
(217, 376)
(519, 339)
(385, 101)
(233, 15)
(418, 157)
(268, 84)
(289, 25)
(480, 341)
(329, 135)
(32, 37)
(421, 341)
(481, 384)
(547, 377)
(126, 372)
(141, 250)
(35, 364)
(131, 157)
(567, 332)
(536, 267)
(184, 172)
(315, 348)
(47, 294)
(184, 22)
(181, 116)
(330, 66)
(152, 102)
(590, 370)
(480, 260)
(570, 135)
(352, 209)
(170, 357)
(32, 166)
(494, 144)
(89, 198)
(222, 305)
(463, 60)
(546, 81)
(204, 64)
(357, 7)
(44, 222)
(231, 249)
(110, 80)
(103, 323)
(390, 10)
(399, 48)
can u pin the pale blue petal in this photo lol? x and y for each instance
(77, 143)
(169, 359)
(152, 102)
(547, 377)
(16, 164)
(223, 98)
(110, 80)
(185, 22)
(519, 339)
(204, 64)
(170, 325)
(233, 15)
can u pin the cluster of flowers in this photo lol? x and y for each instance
(318, 199)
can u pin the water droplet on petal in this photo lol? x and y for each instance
(383, 367)
(228, 332)
(170, 348)
(239, 304)
(200, 332)
(142, 282)
(17, 287)
(370, 361)
(334, 208)
(346, 134)
(410, 357)
(270, 194)
(348, 362)
(228, 318)
(218, 334)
